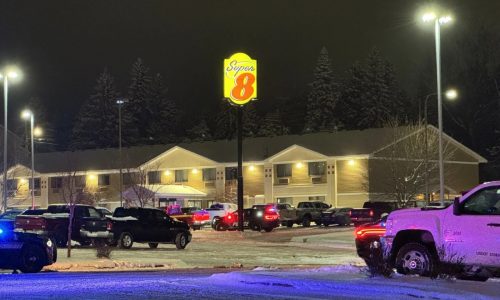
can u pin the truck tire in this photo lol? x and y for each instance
(61, 240)
(268, 229)
(126, 240)
(181, 241)
(255, 227)
(306, 222)
(153, 245)
(32, 259)
(289, 224)
(415, 259)
(220, 227)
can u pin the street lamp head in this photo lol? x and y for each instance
(26, 114)
(37, 132)
(428, 17)
(121, 101)
(451, 94)
(445, 19)
(10, 72)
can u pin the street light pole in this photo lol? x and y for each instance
(27, 114)
(120, 102)
(5, 132)
(437, 33)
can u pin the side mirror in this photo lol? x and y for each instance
(456, 206)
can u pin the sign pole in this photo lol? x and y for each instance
(240, 87)
(240, 168)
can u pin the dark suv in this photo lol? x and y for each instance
(147, 225)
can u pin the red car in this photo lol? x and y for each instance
(367, 238)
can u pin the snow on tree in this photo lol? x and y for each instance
(199, 132)
(137, 108)
(226, 121)
(323, 96)
(272, 125)
(96, 124)
(161, 112)
(371, 94)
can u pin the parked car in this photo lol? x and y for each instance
(367, 239)
(463, 236)
(340, 216)
(147, 225)
(360, 216)
(288, 214)
(7, 219)
(104, 211)
(200, 219)
(26, 252)
(54, 223)
(185, 214)
(218, 210)
(259, 217)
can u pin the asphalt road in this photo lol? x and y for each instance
(330, 283)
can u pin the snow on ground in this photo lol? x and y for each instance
(284, 247)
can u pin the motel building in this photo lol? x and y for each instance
(344, 169)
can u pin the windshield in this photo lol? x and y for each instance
(10, 215)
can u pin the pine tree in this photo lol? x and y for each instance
(371, 95)
(322, 98)
(226, 121)
(138, 106)
(162, 115)
(273, 125)
(200, 132)
(96, 125)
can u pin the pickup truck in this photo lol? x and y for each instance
(305, 213)
(463, 236)
(219, 210)
(147, 225)
(259, 217)
(54, 223)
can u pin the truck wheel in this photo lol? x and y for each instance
(32, 259)
(415, 259)
(220, 227)
(181, 241)
(289, 224)
(306, 222)
(268, 229)
(153, 245)
(126, 240)
(61, 240)
(255, 227)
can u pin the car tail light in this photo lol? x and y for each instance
(109, 226)
(371, 213)
(350, 213)
(371, 231)
(271, 217)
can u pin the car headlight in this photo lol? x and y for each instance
(49, 243)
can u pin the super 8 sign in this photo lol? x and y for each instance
(240, 78)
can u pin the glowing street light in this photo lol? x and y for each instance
(28, 115)
(451, 94)
(439, 19)
(5, 75)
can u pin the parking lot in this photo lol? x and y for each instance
(313, 246)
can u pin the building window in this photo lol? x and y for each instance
(11, 184)
(284, 170)
(317, 198)
(181, 176)
(154, 177)
(317, 168)
(131, 178)
(80, 181)
(231, 173)
(209, 174)
(37, 183)
(103, 180)
(285, 200)
(56, 182)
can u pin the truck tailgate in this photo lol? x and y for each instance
(30, 223)
(95, 225)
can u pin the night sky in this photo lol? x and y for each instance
(62, 46)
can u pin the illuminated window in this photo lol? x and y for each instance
(284, 170)
(317, 168)
(209, 174)
(181, 176)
